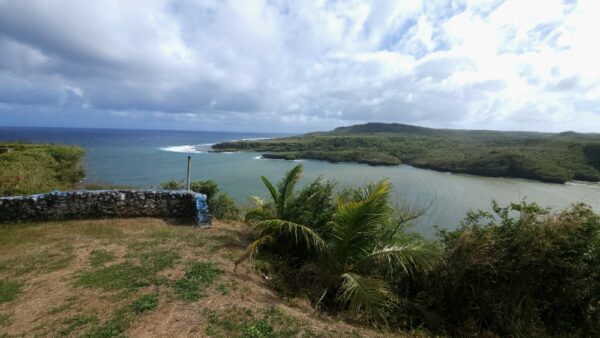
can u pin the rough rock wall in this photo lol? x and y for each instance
(98, 204)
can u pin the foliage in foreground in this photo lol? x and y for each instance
(220, 204)
(352, 261)
(521, 271)
(38, 168)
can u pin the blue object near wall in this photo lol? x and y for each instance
(202, 216)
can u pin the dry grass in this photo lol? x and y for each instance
(142, 277)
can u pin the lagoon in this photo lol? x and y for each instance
(143, 159)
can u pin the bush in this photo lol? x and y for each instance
(313, 205)
(208, 188)
(220, 204)
(224, 207)
(172, 185)
(38, 168)
(521, 272)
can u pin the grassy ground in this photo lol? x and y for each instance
(143, 277)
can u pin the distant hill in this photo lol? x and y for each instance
(374, 127)
(548, 157)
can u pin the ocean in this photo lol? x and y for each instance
(146, 158)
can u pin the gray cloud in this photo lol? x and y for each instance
(297, 66)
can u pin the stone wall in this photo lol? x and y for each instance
(103, 203)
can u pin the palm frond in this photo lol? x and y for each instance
(405, 259)
(271, 188)
(252, 249)
(256, 215)
(259, 212)
(300, 232)
(286, 188)
(355, 228)
(368, 295)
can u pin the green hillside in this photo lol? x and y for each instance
(547, 157)
(37, 168)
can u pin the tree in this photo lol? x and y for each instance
(357, 254)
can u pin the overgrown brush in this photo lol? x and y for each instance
(521, 271)
(220, 204)
(38, 168)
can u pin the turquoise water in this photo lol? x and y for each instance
(146, 158)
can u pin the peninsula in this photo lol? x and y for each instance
(547, 157)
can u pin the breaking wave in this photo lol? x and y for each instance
(189, 149)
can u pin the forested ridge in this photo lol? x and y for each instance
(548, 157)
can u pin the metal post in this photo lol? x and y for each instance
(189, 167)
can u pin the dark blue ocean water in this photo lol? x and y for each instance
(144, 158)
(140, 158)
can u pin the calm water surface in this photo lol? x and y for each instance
(147, 158)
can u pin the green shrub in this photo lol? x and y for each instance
(521, 272)
(224, 207)
(172, 185)
(35, 168)
(209, 188)
(220, 204)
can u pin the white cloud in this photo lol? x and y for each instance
(295, 65)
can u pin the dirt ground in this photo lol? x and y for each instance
(144, 277)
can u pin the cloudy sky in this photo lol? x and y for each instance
(294, 66)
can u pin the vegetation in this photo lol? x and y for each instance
(9, 290)
(350, 262)
(522, 271)
(539, 156)
(145, 303)
(519, 271)
(38, 168)
(245, 323)
(198, 276)
(220, 204)
(156, 255)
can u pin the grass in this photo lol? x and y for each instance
(38, 168)
(76, 322)
(131, 277)
(198, 277)
(100, 257)
(114, 327)
(245, 323)
(58, 309)
(115, 277)
(54, 258)
(5, 319)
(139, 270)
(9, 290)
(145, 303)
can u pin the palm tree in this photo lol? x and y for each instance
(356, 257)
(272, 223)
(364, 259)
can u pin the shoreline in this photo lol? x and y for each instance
(273, 156)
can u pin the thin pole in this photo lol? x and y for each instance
(189, 167)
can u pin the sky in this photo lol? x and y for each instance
(297, 66)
